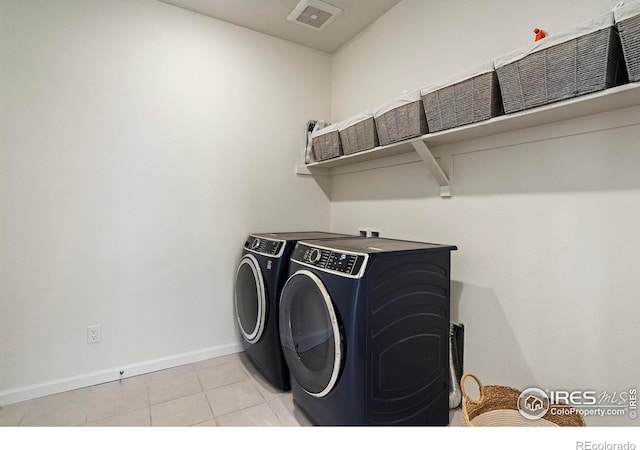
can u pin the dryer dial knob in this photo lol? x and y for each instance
(314, 255)
(255, 244)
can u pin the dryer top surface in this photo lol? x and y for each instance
(297, 236)
(376, 245)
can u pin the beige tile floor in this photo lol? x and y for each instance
(224, 391)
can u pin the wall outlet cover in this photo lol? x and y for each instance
(93, 334)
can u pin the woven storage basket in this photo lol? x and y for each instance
(401, 119)
(498, 407)
(579, 61)
(466, 98)
(627, 19)
(326, 143)
(358, 133)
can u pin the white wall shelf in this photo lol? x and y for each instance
(611, 99)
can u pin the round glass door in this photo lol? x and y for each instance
(250, 299)
(309, 333)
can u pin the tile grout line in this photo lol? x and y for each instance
(275, 413)
(206, 397)
(149, 403)
(21, 417)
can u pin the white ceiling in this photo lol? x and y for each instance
(270, 17)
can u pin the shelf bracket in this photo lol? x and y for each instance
(316, 171)
(435, 169)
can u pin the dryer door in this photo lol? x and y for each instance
(250, 299)
(310, 333)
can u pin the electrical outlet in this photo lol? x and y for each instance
(93, 334)
(369, 232)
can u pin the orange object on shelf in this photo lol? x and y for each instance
(539, 34)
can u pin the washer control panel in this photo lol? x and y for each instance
(328, 260)
(267, 247)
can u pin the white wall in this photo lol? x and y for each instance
(139, 144)
(546, 219)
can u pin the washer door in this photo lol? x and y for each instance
(250, 299)
(309, 333)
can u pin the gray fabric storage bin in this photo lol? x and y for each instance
(627, 18)
(358, 133)
(582, 60)
(469, 97)
(401, 119)
(326, 143)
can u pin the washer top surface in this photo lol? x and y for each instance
(375, 245)
(296, 236)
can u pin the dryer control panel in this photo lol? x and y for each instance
(267, 247)
(347, 264)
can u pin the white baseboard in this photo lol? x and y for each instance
(29, 392)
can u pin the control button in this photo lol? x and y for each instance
(255, 244)
(314, 255)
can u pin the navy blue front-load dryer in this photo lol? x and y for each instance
(260, 276)
(364, 326)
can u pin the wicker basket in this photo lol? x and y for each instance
(498, 407)
(466, 98)
(579, 61)
(401, 119)
(627, 19)
(326, 143)
(358, 133)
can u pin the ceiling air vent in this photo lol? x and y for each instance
(314, 14)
